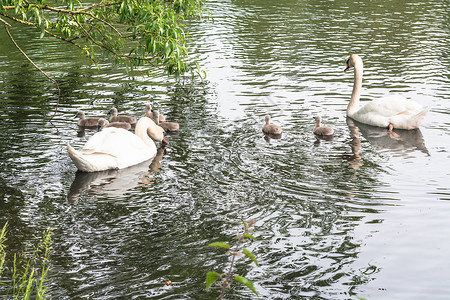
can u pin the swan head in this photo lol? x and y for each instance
(80, 114)
(102, 123)
(267, 118)
(317, 118)
(352, 61)
(113, 112)
(153, 130)
(148, 111)
(156, 133)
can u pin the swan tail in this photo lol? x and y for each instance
(78, 159)
(418, 118)
(91, 162)
(408, 122)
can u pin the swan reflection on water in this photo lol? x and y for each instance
(271, 136)
(402, 144)
(404, 141)
(114, 183)
(320, 138)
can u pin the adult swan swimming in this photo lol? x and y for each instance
(117, 148)
(391, 112)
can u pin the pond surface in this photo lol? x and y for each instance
(361, 215)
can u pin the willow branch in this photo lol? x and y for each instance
(98, 5)
(88, 36)
(82, 11)
(17, 20)
(34, 65)
(4, 22)
(93, 40)
(71, 41)
(78, 12)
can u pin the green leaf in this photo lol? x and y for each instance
(37, 16)
(244, 224)
(247, 235)
(247, 282)
(42, 32)
(250, 255)
(220, 245)
(211, 277)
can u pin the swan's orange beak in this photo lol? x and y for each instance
(346, 69)
(164, 140)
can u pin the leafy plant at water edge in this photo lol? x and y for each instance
(212, 277)
(29, 271)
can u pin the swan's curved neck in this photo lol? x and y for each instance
(141, 131)
(317, 123)
(353, 105)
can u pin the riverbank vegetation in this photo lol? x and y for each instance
(23, 276)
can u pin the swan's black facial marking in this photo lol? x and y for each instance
(348, 65)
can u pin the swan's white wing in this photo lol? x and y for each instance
(392, 109)
(116, 142)
(390, 106)
(111, 148)
(92, 162)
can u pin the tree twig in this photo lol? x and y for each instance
(227, 279)
(47, 32)
(37, 67)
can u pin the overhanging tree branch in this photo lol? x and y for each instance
(134, 32)
(71, 41)
(34, 65)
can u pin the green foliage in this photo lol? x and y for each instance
(29, 271)
(2, 248)
(247, 282)
(134, 32)
(212, 277)
(250, 255)
(220, 245)
(249, 236)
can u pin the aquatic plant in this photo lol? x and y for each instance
(29, 270)
(246, 236)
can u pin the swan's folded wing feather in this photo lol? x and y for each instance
(115, 141)
(111, 148)
(91, 162)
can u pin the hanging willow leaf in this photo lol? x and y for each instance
(250, 255)
(247, 282)
(211, 277)
(220, 245)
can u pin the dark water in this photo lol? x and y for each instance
(362, 215)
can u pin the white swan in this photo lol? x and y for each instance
(391, 112)
(117, 148)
